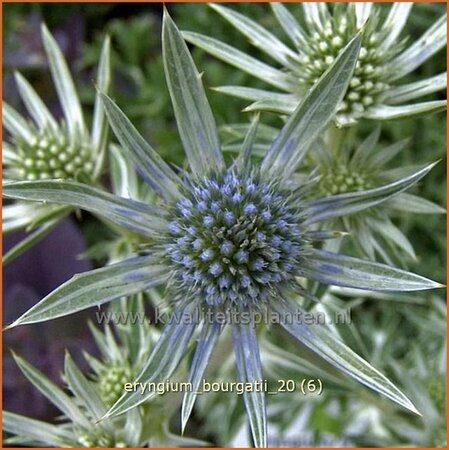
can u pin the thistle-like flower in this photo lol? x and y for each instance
(90, 397)
(235, 239)
(374, 91)
(47, 149)
(361, 168)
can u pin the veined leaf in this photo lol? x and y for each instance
(244, 157)
(84, 390)
(280, 104)
(194, 118)
(428, 44)
(414, 204)
(258, 35)
(16, 124)
(386, 112)
(289, 24)
(239, 59)
(204, 348)
(99, 134)
(36, 430)
(126, 213)
(362, 12)
(339, 270)
(95, 288)
(64, 85)
(255, 94)
(36, 107)
(123, 176)
(249, 369)
(335, 352)
(410, 91)
(394, 23)
(52, 392)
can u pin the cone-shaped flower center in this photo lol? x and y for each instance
(342, 179)
(234, 239)
(49, 155)
(369, 80)
(111, 382)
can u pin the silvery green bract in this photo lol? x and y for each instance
(364, 167)
(44, 148)
(226, 238)
(374, 91)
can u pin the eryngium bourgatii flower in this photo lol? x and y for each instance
(88, 399)
(374, 90)
(236, 239)
(44, 148)
(362, 167)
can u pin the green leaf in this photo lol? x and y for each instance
(36, 107)
(194, 118)
(84, 390)
(207, 341)
(394, 23)
(37, 430)
(276, 104)
(313, 114)
(316, 14)
(64, 86)
(339, 270)
(127, 213)
(99, 134)
(244, 158)
(255, 94)
(236, 132)
(123, 176)
(390, 232)
(366, 148)
(239, 59)
(290, 25)
(344, 204)
(52, 392)
(16, 124)
(19, 215)
(168, 352)
(433, 40)
(249, 369)
(258, 35)
(410, 91)
(386, 154)
(335, 352)
(95, 288)
(9, 155)
(362, 12)
(414, 204)
(385, 112)
(154, 170)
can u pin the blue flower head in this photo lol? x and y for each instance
(238, 248)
